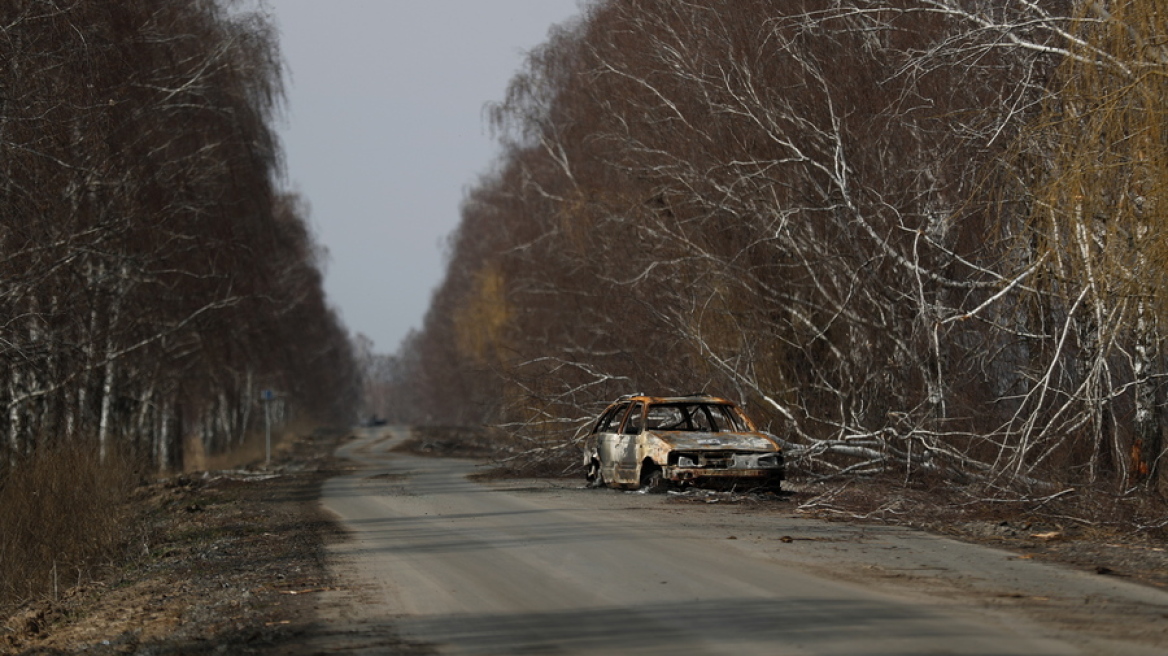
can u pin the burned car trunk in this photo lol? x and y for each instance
(653, 442)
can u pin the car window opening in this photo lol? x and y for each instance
(692, 417)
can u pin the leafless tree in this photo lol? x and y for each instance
(149, 263)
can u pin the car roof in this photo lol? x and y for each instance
(690, 398)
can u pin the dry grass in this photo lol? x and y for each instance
(220, 563)
(61, 513)
(251, 451)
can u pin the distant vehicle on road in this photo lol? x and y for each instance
(655, 442)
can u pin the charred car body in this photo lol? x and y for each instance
(651, 442)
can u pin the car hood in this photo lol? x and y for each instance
(689, 440)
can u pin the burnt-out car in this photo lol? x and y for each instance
(654, 442)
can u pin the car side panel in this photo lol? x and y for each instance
(626, 471)
(606, 444)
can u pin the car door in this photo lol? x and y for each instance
(626, 458)
(607, 439)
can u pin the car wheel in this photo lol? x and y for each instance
(652, 481)
(593, 476)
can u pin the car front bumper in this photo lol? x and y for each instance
(693, 467)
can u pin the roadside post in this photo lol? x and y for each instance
(267, 396)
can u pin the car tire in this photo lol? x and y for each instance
(593, 476)
(652, 480)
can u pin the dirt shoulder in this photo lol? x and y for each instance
(226, 562)
(1089, 531)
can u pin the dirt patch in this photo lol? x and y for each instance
(226, 562)
(1103, 551)
(1089, 530)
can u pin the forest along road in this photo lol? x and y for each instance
(438, 563)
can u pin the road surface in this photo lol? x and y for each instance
(438, 563)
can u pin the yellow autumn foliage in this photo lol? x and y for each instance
(481, 320)
(1101, 213)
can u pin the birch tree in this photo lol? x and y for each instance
(139, 188)
(915, 237)
(1097, 220)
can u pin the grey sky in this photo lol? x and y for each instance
(385, 132)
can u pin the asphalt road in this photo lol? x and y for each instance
(438, 563)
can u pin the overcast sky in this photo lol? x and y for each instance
(385, 131)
